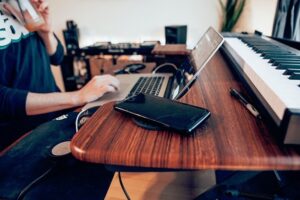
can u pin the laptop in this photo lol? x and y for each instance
(167, 85)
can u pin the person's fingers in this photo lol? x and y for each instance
(110, 88)
(114, 82)
(98, 86)
(115, 87)
(108, 80)
(43, 6)
(37, 1)
(12, 11)
(7, 8)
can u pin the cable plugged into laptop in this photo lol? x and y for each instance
(165, 68)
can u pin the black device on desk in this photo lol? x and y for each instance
(164, 112)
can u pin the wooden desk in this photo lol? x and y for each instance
(231, 139)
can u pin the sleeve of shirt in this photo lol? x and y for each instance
(58, 56)
(12, 102)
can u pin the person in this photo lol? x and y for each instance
(29, 95)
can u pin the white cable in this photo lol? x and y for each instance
(77, 119)
(163, 65)
(79, 115)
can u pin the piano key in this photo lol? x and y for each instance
(278, 53)
(277, 63)
(289, 71)
(270, 48)
(286, 62)
(279, 60)
(282, 57)
(288, 66)
(264, 47)
(295, 76)
(281, 64)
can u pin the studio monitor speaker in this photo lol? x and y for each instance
(176, 34)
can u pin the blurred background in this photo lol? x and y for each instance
(141, 20)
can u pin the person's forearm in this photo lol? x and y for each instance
(37, 103)
(50, 42)
(51, 102)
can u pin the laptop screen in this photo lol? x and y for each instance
(206, 47)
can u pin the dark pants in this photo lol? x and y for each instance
(69, 178)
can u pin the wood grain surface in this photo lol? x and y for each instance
(231, 138)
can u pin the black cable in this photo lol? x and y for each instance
(35, 181)
(237, 193)
(122, 186)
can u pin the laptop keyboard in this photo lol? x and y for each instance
(147, 85)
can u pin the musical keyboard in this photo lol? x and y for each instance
(272, 70)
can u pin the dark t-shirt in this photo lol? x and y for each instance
(24, 67)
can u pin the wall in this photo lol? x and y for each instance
(258, 15)
(133, 20)
(140, 20)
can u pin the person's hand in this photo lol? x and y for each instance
(42, 7)
(97, 87)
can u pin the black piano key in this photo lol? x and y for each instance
(282, 57)
(285, 65)
(272, 49)
(279, 53)
(264, 54)
(268, 48)
(295, 76)
(290, 71)
(286, 59)
(281, 66)
(265, 47)
(278, 62)
(271, 60)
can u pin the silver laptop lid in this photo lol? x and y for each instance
(206, 47)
